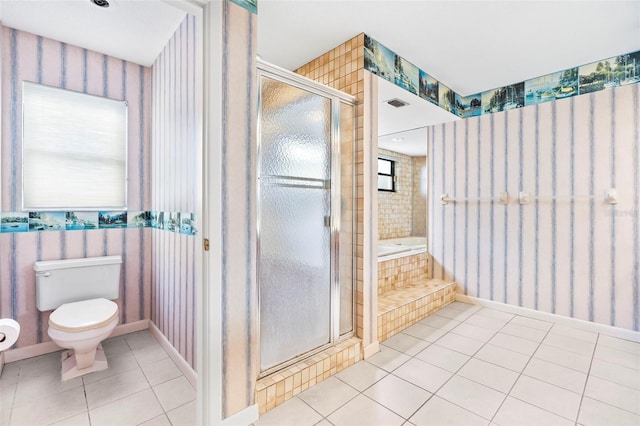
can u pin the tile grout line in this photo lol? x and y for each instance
(520, 375)
(584, 388)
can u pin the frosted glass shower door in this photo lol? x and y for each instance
(294, 248)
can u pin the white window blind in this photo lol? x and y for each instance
(74, 150)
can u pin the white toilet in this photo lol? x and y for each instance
(80, 291)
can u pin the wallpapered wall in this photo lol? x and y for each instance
(174, 185)
(563, 252)
(29, 57)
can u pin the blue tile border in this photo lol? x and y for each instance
(178, 222)
(616, 71)
(250, 5)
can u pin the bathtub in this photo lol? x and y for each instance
(398, 247)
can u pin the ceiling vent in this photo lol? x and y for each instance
(398, 103)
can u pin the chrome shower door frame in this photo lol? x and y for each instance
(337, 98)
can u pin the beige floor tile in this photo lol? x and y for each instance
(160, 371)
(619, 344)
(388, 359)
(364, 412)
(617, 356)
(555, 374)
(575, 333)
(495, 314)
(485, 322)
(185, 415)
(438, 411)
(425, 375)
(615, 373)
(327, 396)
(443, 323)
(47, 410)
(81, 419)
(473, 396)
(570, 344)
(117, 364)
(398, 395)
(443, 357)
(596, 413)
(503, 357)
(406, 343)
(116, 387)
(425, 332)
(524, 332)
(513, 343)
(174, 393)
(293, 412)
(565, 358)
(474, 332)
(613, 394)
(460, 343)
(361, 375)
(548, 397)
(128, 411)
(161, 420)
(516, 412)
(491, 375)
(531, 322)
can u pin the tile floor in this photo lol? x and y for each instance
(468, 366)
(142, 386)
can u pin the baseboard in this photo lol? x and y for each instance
(1, 362)
(371, 349)
(173, 353)
(242, 418)
(44, 348)
(594, 327)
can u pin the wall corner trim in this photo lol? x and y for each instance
(175, 356)
(371, 349)
(593, 327)
(242, 418)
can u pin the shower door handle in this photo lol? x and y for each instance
(327, 221)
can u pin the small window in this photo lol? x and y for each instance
(74, 150)
(386, 175)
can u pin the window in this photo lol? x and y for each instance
(386, 175)
(74, 150)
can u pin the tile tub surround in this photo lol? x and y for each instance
(401, 308)
(402, 271)
(471, 374)
(275, 389)
(141, 384)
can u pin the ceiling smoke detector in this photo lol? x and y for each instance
(100, 3)
(398, 103)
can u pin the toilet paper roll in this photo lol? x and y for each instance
(9, 332)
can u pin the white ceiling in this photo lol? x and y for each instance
(133, 30)
(471, 46)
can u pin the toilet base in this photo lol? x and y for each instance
(70, 368)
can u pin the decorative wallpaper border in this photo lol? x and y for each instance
(250, 5)
(178, 222)
(611, 72)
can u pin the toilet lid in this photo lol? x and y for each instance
(84, 315)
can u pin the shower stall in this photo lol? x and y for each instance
(306, 222)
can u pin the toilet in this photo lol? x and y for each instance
(80, 293)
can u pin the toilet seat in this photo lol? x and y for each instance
(85, 315)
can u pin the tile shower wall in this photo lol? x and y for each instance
(402, 271)
(343, 68)
(568, 251)
(32, 58)
(395, 209)
(174, 185)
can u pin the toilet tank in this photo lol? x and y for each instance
(71, 280)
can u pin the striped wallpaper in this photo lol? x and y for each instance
(33, 58)
(566, 252)
(175, 184)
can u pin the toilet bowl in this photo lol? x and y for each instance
(81, 327)
(78, 292)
